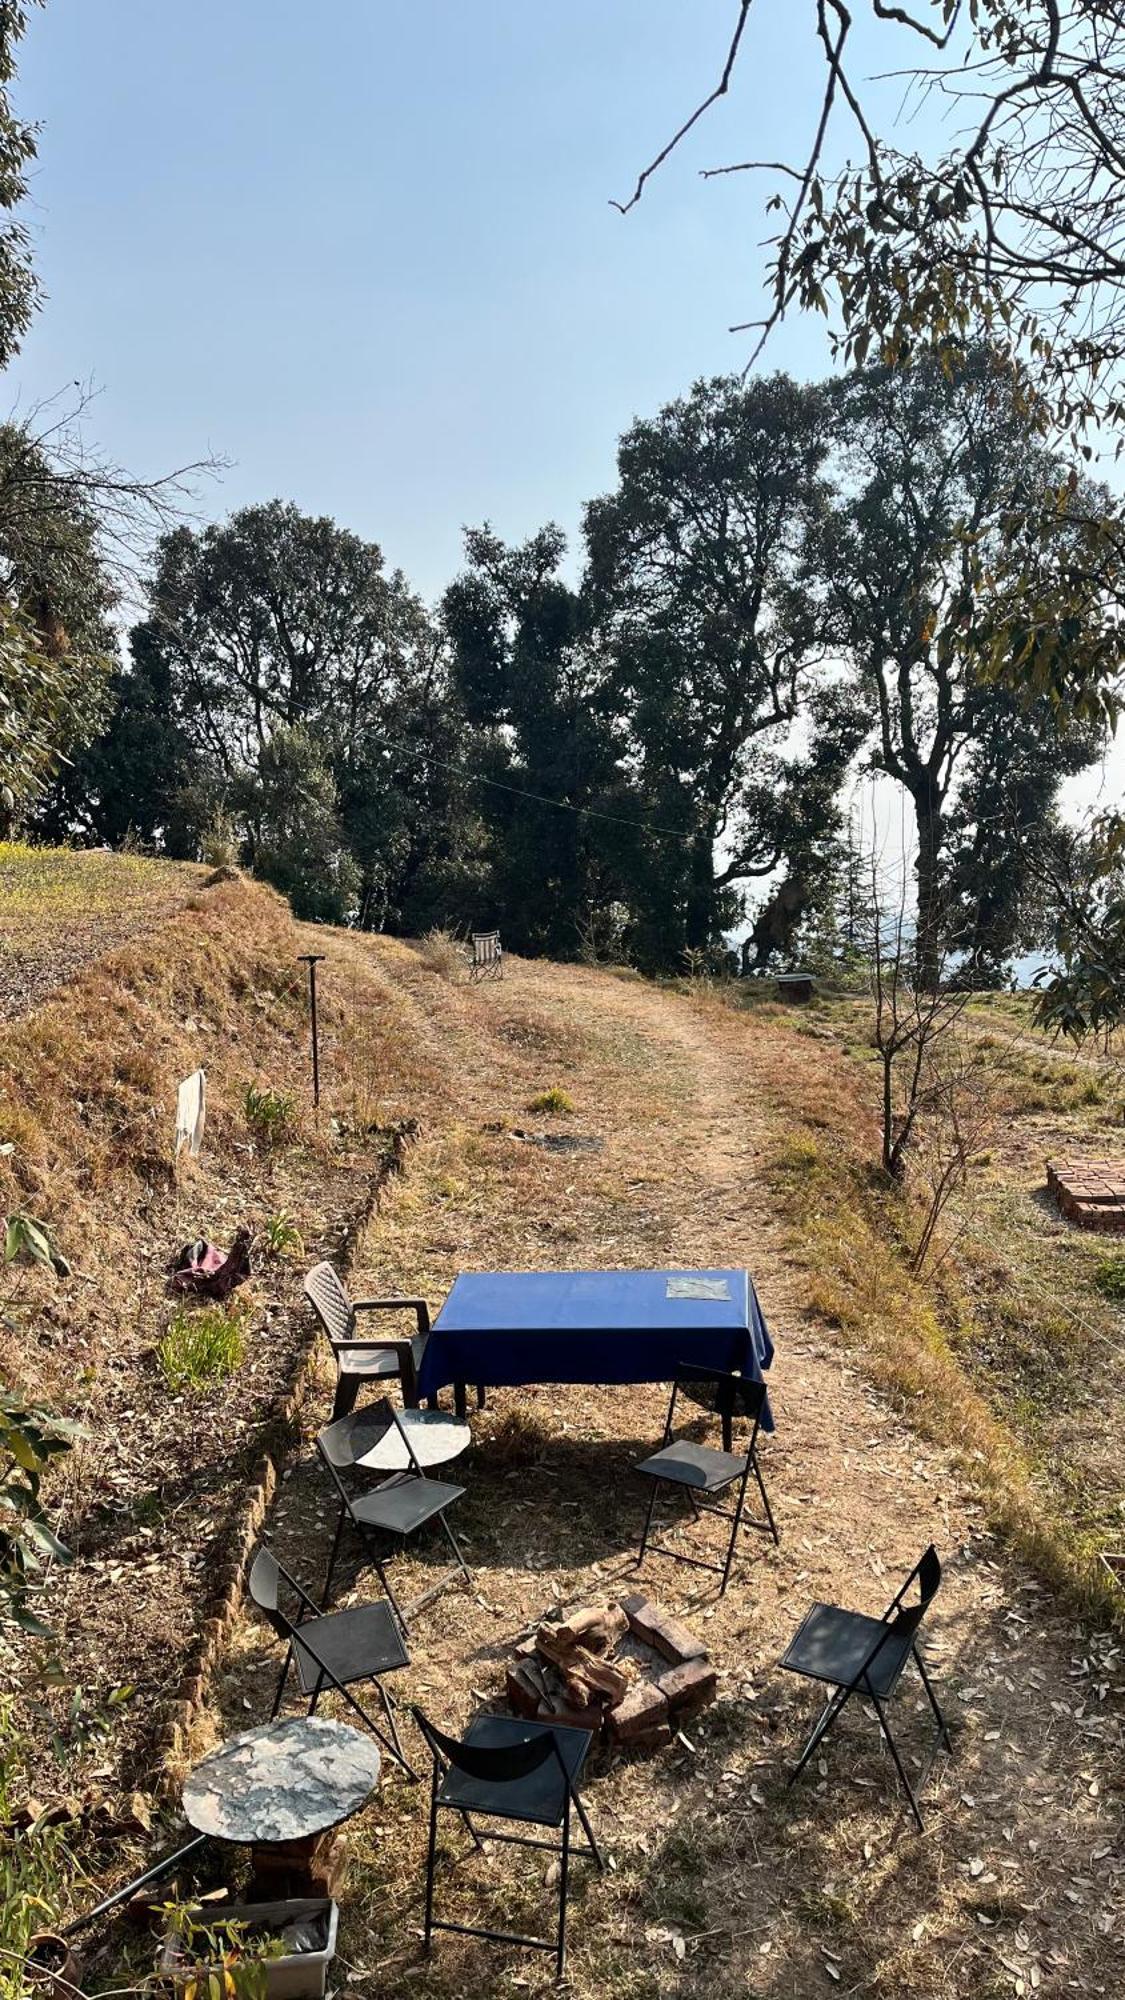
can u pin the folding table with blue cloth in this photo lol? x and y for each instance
(505, 1329)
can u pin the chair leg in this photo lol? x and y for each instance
(456, 1547)
(281, 1682)
(431, 1859)
(943, 1731)
(821, 1727)
(647, 1529)
(344, 1401)
(589, 1832)
(765, 1499)
(564, 1871)
(480, 1396)
(734, 1528)
(899, 1765)
(330, 1571)
(389, 1712)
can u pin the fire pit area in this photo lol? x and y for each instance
(1090, 1192)
(624, 1667)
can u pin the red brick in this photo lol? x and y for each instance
(556, 1709)
(667, 1635)
(688, 1686)
(642, 1713)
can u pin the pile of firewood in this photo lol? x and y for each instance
(623, 1666)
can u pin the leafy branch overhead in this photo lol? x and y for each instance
(1009, 223)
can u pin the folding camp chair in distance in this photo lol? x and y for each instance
(701, 1469)
(331, 1650)
(506, 1769)
(866, 1656)
(399, 1505)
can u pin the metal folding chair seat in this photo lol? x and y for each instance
(333, 1649)
(398, 1506)
(506, 1769)
(857, 1654)
(697, 1468)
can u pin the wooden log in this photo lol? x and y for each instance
(580, 1667)
(525, 1689)
(598, 1629)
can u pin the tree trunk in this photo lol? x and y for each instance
(928, 942)
(699, 915)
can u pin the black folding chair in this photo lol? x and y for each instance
(333, 1650)
(402, 1503)
(866, 1656)
(506, 1769)
(700, 1468)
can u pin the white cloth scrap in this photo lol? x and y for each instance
(697, 1288)
(191, 1113)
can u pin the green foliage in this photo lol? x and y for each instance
(1109, 1278)
(30, 1437)
(270, 1114)
(24, 1238)
(281, 1236)
(203, 1344)
(556, 1099)
(36, 1863)
(295, 836)
(218, 1959)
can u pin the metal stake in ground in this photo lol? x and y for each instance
(312, 959)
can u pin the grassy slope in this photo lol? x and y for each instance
(726, 1137)
(1012, 1352)
(87, 1100)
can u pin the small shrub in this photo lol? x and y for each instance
(219, 846)
(281, 1236)
(441, 951)
(270, 1114)
(520, 1439)
(797, 1154)
(203, 1344)
(556, 1099)
(1109, 1278)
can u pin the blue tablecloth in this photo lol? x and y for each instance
(505, 1328)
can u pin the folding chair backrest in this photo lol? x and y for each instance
(927, 1575)
(330, 1302)
(350, 1438)
(503, 1764)
(720, 1391)
(264, 1585)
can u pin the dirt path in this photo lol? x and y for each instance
(724, 1881)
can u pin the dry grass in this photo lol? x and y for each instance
(63, 907)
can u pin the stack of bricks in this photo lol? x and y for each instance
(1090, 1192)
(626, 1668)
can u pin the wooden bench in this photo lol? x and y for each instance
(486, 956)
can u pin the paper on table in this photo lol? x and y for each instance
(697, 1288)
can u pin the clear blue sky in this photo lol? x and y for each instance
(365, 249)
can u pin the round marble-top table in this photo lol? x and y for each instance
(435, 1439)
(287, 1781)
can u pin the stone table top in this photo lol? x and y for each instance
(435, 1439)
(284, 1781)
